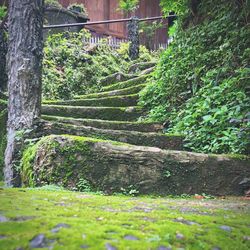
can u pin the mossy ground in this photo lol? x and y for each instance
(102, 222)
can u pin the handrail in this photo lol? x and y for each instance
(104, 22)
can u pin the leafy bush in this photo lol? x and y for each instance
(128, 6)
(72, 68)
(52, 3)
(200, 84)
(80, 8)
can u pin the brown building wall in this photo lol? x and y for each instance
(99, 10)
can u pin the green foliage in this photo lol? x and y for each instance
(83, 185)
(201, 81)
(130, 190)
(144, 55)
(72, 68)
(3, 12)
(128, 6)
(178, 7)
(52, 3)
(148, 29)
(78, 8)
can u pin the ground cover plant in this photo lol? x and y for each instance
(53, 218)
(201, 84)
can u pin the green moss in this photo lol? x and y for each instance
(106, 113)
(126, 91)
(126, 84)
(97, 220)
(3, 121)
(112, 101)
(61, 172)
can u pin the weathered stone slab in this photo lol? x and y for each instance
(105, 113)
(126, 84)
(165, 141)
(115, 78)
(109, 166)
(127, 91)
(140, 66)
(113, 125)
(113, 101)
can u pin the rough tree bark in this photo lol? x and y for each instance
(133, 37)
(3, 52)
(24, 63)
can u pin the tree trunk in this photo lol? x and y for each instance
(24, 62)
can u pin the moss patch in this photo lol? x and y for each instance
(99, 221)
(113, 101)
(105, 113)
(126, 84)
(127, 91)
(3, 120)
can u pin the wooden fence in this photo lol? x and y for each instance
(115, 43)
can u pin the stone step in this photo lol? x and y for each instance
(113, 125)
(110, 166)
(112, 101)
(102, 113)
(164, 141)
(130, 83)
(141, 66)
(115, 78)
(127, 91)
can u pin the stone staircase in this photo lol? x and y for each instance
(99, 138)
(111, 114)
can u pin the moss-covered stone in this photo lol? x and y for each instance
(64, 160)
(115, 78)
(129, 83)
(165, 141)
(137, 67)
(113, 101)
(113, 125)
(127, 91)
(105, 113)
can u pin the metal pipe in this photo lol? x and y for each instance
(103, 22)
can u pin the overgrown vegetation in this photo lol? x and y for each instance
(71, 67)
(54, 3)
(128, 6)
(201, 84)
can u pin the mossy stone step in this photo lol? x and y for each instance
(141, 66)
(102, 124)
(127, 91)
(103, 113)
(112, 101)
(115, 78)
(129, 83)
(164, 141)
(111, 166)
